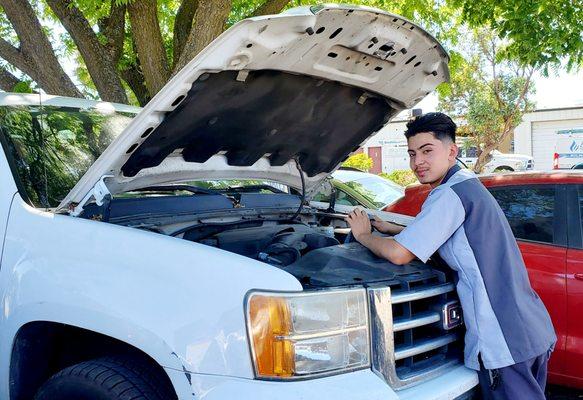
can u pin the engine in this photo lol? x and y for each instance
(312, 254)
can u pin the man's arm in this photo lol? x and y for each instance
(386, 227)
(381, 246)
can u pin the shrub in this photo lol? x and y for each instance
(359, 161)
(403, 177)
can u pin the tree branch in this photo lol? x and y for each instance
(14, 56)
(209, 22)
(183, 26)
(98, 61)
(113, 28)
(270, 7)
(148, 38)
(37, 58)
(135, 80)
(7, 80)
(524, 91)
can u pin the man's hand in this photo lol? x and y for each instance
(359, 223)
(381, 246)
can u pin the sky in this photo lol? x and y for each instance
(555, 91)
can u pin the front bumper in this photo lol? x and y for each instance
(351, 386)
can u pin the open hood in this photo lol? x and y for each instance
(309, 85)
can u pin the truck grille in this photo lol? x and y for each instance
(409, 342)
(530, 164)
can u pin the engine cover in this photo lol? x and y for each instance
(354, 264)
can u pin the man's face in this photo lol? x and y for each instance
(430, 158)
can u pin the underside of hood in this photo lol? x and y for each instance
(307, 86)
(265, 113)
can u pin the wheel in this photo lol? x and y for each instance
(108, 378)
(503, 169)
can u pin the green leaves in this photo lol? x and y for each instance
(540, 33)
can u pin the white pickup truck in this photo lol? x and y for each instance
(499, 162)
(144, 257)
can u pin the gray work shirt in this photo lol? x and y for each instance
(506, 322)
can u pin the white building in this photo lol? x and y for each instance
(388, 148)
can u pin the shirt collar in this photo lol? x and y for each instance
(450, 173)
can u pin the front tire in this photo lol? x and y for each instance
(108, 378)
(503, 169)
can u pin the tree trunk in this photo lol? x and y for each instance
(7, 80)
(484, 157)
(148, 39)
(183, 26)
(113, 28)
(209, 22)
(97, 59)
(270, 7)
(35, 57)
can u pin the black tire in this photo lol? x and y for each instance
(108, 378)
(503, 169)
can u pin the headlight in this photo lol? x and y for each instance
(307, 334)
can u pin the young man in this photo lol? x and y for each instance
(509, 334)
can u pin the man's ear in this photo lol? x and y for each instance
(453, 151)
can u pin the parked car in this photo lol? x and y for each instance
(356, 188)
(119, 275)
(545, 212)
(500, 162)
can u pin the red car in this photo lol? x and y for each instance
(545, 212)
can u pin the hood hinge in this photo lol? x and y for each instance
(99, 192)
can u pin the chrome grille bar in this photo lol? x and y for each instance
(419, 294)
(401, 324)
(424, 347)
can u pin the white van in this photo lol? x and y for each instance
(569, 149)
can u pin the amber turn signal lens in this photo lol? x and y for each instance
(270, 324)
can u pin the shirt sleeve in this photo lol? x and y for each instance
(441, 215)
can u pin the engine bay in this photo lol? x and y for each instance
(316, 255)
(267, 228)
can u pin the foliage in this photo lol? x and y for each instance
(359, 161)
(403, 177)
(538, 33)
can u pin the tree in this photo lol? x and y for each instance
(487, 92)
(542, 34)
(122, 46)
(126, 50)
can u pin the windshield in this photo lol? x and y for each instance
(377, 190)
(53, 146)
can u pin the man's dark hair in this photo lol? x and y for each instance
(439, 124)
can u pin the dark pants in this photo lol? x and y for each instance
(525, 380)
